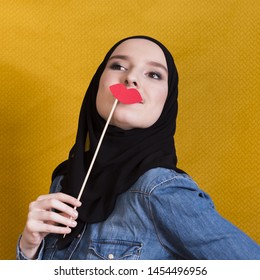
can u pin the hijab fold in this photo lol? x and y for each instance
(124, 155)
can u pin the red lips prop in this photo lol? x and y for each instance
(125, 95)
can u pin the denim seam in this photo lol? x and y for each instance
(77, 243)
(155, 228)
(156, 186)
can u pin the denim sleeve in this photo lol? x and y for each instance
(188, 225)
(56, 184)
(20, 255)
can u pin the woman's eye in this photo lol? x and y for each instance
(116, 66)
(155, 75)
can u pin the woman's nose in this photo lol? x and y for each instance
(131, 80)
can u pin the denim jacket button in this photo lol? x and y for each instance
(111, 256)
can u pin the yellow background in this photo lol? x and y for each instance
(49, 52)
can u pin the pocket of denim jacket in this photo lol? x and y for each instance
(114, 250)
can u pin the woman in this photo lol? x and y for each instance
(137, 204)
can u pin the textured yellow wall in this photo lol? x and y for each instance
(49, 51)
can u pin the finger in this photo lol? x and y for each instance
(51, 206)
(51, 218)
(36, 226)
(53, 203)
(61, 197)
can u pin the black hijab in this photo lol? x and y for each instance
(124, 154)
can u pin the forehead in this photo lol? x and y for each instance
(141, 48)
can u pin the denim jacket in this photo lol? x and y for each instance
(164, 215)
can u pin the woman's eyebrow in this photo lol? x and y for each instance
(152, 63)
(157, 64)
(119, 56)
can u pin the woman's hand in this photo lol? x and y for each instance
(48, 214)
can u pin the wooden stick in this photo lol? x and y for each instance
(95, 154)
(97, 149)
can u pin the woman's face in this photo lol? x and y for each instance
(140, 64)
